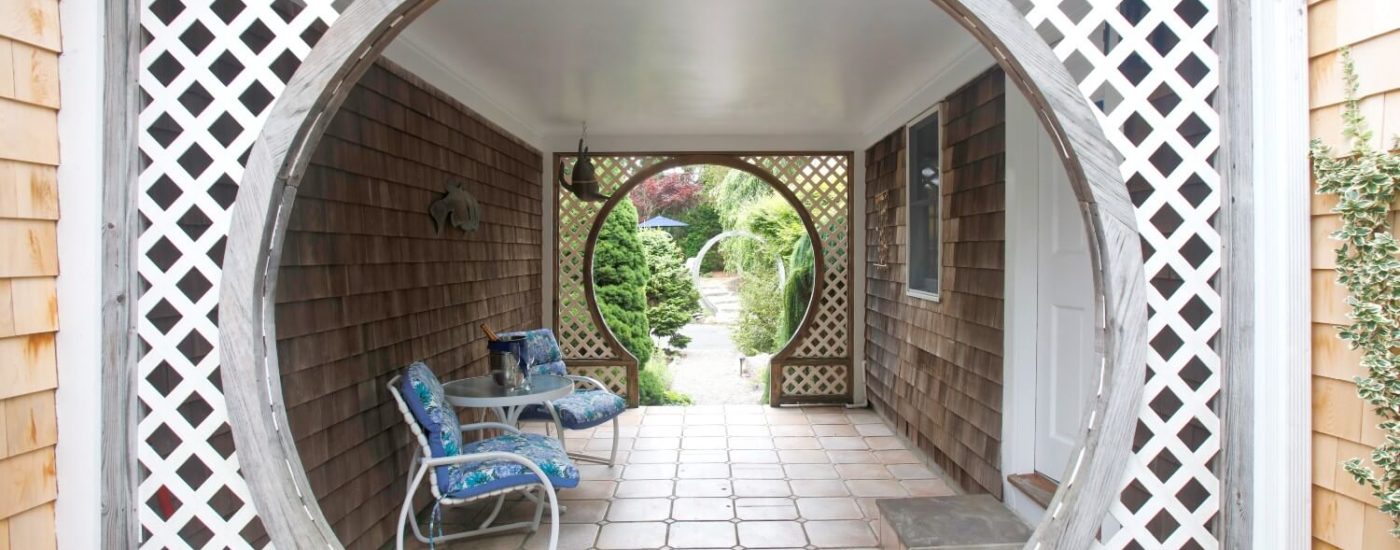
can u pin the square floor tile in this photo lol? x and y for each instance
(927, 488)
(750, 443)
(840, 533)
(911, 471)
(705, 431)
(795, 430)
(640, 509)
(873, 429)
(702, 534)
(703, 456)
(582, 511)
(896, 457)
(507, 541)
(662, 420)
(663, 409)
(752, 419)
(596, 444)
(704, 419)
(649, 471)
(833, 430)
(757, 471)
(796, 443)
(704, 443)
(836, 418)
(734, 430)
(753, 456)
(761, 488)
(885, 488)
(889, 443)
(772, 534)
(819, 488)
(703, 471)
(656, 443)
(853, 457)
(863, 471)
(803, 457)
(589, 490)
(570, 536)
(659, 431)
(593, 472)
(666, 456)
(810, 471)
(703, 509)
(829, 508)
(704, 488)
(632, 536)
(842, 443)
(863, 417)
(750, 509)
(651, 488)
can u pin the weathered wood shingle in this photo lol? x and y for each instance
(935, 369)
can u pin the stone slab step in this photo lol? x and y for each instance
(960, 522)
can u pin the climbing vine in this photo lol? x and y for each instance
(1364, 181)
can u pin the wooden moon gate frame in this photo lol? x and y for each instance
(782, 360)
(267, 451)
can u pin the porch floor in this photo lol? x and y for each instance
(730, 476)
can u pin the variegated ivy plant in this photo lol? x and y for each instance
(1364, 181)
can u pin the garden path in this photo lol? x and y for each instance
(709, 370)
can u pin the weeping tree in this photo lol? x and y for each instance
(797, 289)
(620, 279)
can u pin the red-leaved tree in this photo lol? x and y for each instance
(667, 192)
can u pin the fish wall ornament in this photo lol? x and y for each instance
(458, 208)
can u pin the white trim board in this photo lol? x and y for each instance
(78, 512)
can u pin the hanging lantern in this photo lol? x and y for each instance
(583, 182)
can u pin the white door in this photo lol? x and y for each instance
(1065, 368)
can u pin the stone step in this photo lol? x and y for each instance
(947, 523)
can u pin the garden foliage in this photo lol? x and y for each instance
(620, 278)
(672, 300)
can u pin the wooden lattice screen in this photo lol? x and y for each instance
(815, 367)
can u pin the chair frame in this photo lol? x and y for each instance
(559, 425)
(424, 465)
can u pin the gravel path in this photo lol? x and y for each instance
(709, 369)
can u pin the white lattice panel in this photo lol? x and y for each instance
(1149, 67)
(210, 69)
(815, 380)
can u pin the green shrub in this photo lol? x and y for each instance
(672, 301)
(704, 224)
(654, 385)
(760, 305)
(620, 280)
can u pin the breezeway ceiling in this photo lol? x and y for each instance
(683, 67)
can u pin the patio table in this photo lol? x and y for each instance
(482, 392)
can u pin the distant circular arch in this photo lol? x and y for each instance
(257, 414)
(694, 263)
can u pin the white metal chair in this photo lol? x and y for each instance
(582, 409)
(514, 462)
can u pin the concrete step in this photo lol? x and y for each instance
(948, 523)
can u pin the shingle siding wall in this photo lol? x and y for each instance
(1345, 515)
(29, 211)
(367, 286)
(935, 369)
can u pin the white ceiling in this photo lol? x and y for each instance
(683, 67)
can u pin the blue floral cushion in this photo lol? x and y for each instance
(581, 409)
(422, 392)
(540, 347)
(475, 478)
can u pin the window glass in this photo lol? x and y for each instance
(924, 206)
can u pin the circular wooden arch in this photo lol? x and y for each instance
(678, 161)
(267, 451)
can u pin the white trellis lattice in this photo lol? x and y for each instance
(1150, 68)
(210, 69)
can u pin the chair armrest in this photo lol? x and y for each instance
(479, 457)
(588, 380)
(479, 426)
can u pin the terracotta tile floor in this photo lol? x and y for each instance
(731, 476)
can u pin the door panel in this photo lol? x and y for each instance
(1065, 335)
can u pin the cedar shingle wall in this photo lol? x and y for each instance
(935, 369)
(1345, 515)
(367, 287)
(29, 48)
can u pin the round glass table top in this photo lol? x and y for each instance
(484, 392)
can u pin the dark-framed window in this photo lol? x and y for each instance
(924, 153)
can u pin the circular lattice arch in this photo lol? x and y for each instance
(733, 162)
(267, 451)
